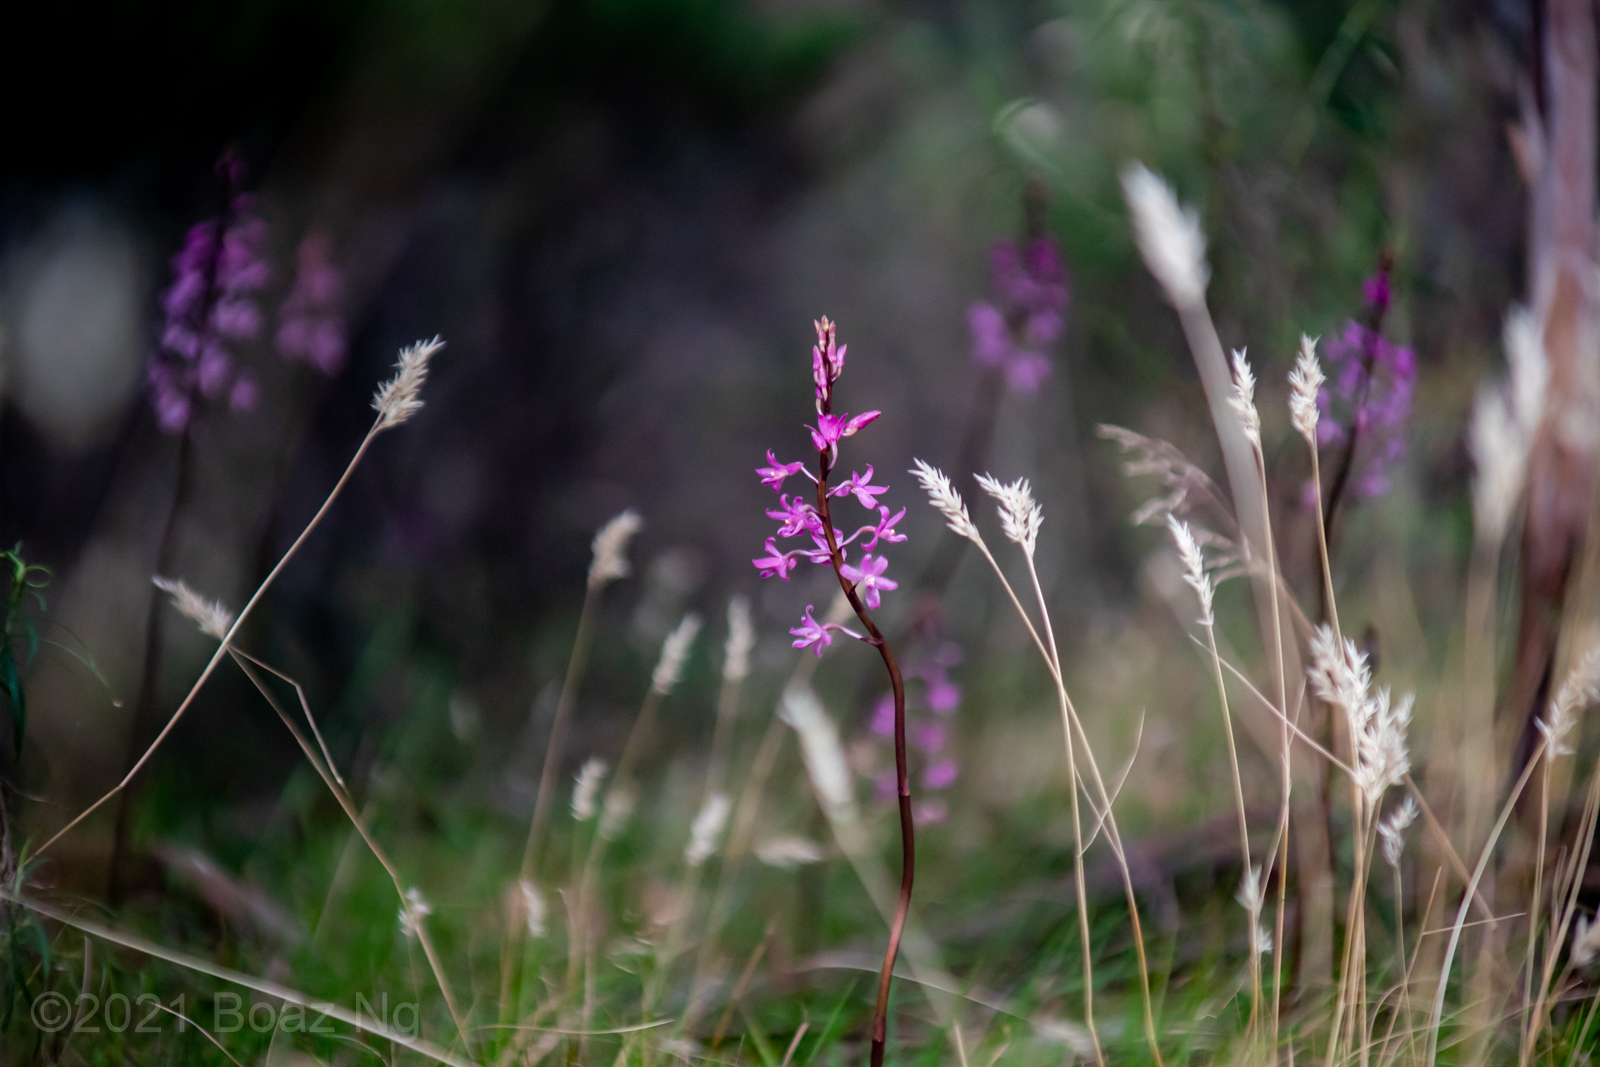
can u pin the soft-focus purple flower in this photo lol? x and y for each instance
(868, 578)
(1026, 312)
(214, 368)
(1377, 292)
(867, 494)
(928, 737)
(883, 716)
(310, 326)
(243, 395)
(1026, 371)
(237, 318)
(930, 812)
(242, 268)
(210, 301)
(774, 474)
(941, 774)
(775, 561)
(944, 696)
(1371, 382)
(170, 400)
(991, 338)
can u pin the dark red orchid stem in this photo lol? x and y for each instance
(908, 844)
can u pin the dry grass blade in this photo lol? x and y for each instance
(1190, 490)
(412, 908)
(401, 401)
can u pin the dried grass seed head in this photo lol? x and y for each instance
(588, 788)
(1194, 567)
(787, 853)
(1498, 453)
(741, 639)
(1305, 382)
(1505, 420)
(210, 616)
(1168, 236)
(618, 810)
(1252, 894)
(610, 548)
(1382, 753)
(1020, 515)
(1378, 726)
(400, 397)
(1585, 942)
(1392, 830)
(707, 829)
(824, 756)
(1529, 368)
(413, 911)
(1578, 690)
(1189, 489)
(1243, 401)
(533, 911)
(944, 498)
(1338, 671)
(674, 650)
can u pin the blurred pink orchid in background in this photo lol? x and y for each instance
(1025, 315)
(310, 326)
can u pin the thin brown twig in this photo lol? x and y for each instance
(222, 648)
(552, 753)
(335, 785)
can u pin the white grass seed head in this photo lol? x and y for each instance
(674, 650)
(707, 830)
(824, 756)
(588, 788)
(787, 853)
(213, 619)
(1243, 400)
(400, 397)
(741, 639)
(1168, 236)
(1305, 382)
(611, 549)
(943, 496)
(1392, 830)
(1020, 515)
(1194, 567)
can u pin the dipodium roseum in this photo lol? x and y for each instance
(863, 582)
(797, 517)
